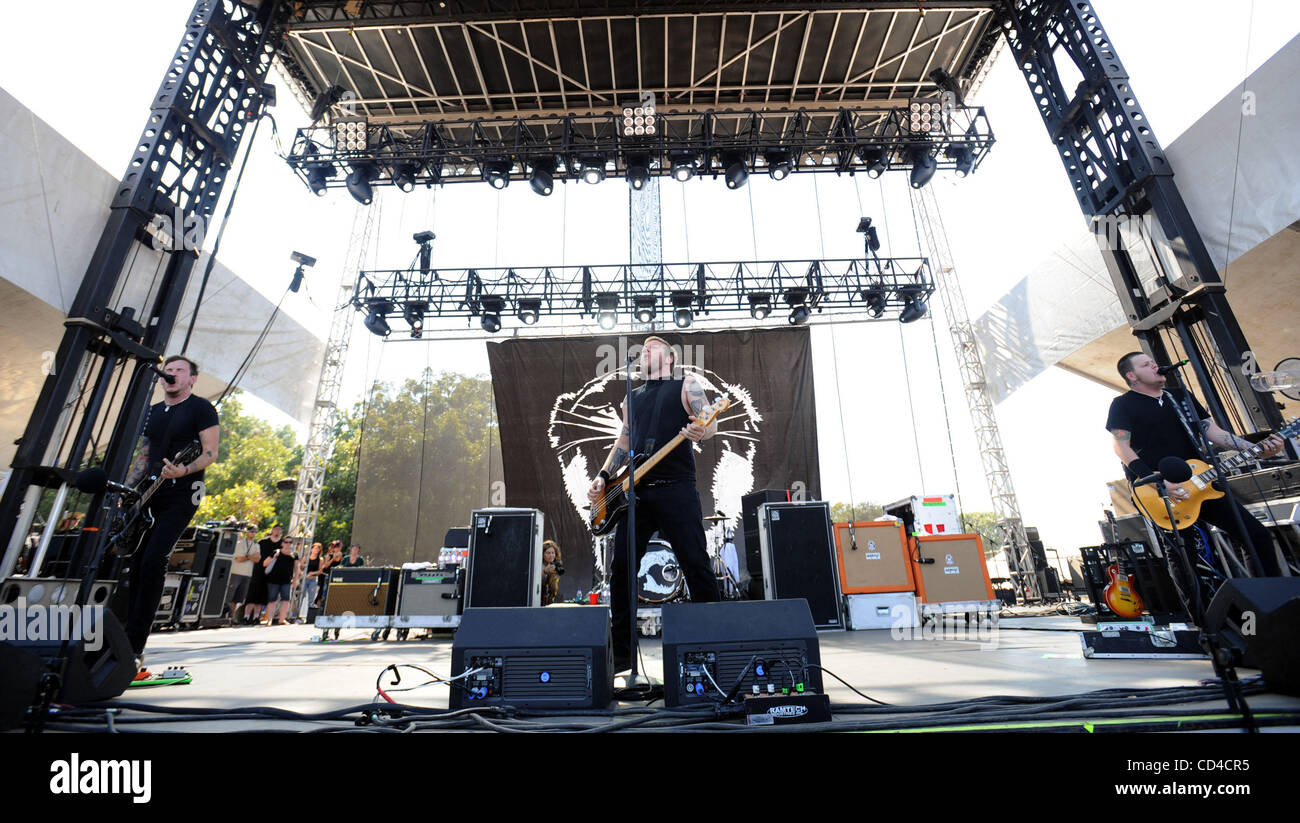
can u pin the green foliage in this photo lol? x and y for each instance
(861, 512)
(251, 458)
(248, 502)
(985, 525)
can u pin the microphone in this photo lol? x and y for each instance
(1171, 469)
(95, 480)
(1171, 368)
(164, 375)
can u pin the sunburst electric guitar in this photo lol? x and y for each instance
(610, 507)
(1200, 487)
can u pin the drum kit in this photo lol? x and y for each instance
(661, 580)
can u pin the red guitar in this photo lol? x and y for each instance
(1120, 596)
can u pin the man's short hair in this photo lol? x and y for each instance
(672, 353)
(1125, 364)
(194, 367)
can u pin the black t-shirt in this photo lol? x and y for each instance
(1154, 424)
(170, 429)
(649, 434)
(281, 570)
(267, 547)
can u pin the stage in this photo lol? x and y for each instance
(288, 668)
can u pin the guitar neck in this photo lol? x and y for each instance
(654, 459)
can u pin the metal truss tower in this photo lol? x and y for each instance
(1012, 529)
(324, 416)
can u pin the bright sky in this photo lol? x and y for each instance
(879, 392)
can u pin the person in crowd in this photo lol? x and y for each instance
(552, 568)
(354, 558)
(281, 574)
(241, 569)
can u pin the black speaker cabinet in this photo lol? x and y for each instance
(798, 555)
(428, 593)
(364, 591)
(100, 666)
(1259, 619)
(505, 558)
(738, 646)
(555, 658)
(194, 551)
(214, 594)
(38, 591)
(748, 546)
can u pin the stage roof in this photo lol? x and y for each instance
(408, 60)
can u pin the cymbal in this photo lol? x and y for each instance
(716, 518)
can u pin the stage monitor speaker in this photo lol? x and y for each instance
(737, 646)
(363, 591)
(214, 594)
(1259, 619)
(100, 666)
(505, 558)
(798, 557)
(872, 557)
(957, 573)
(533, 658)
(428, 593)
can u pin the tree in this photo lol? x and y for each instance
(985, 525)
(252, 458)
(860, 512)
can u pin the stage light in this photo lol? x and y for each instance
(946, 82)
(760, 305)
(497, 173)
(778, 164)
(964, 158)
(375, 320)
(359, 183)
(875, 297)
(529, 309)
(593, 167)
(607, 309)
(877, 160)
(413, 313)
(872, 239)
(404, 176)
(797, 300)
(682, 314)
(543, 176)
(492, 306)
(644, 307)
(316, 177)
(424, 238)
(683, 166)
(734, 172)
(914, 307)
(638, 171)
(923, 165)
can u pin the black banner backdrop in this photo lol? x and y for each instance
(558, 403)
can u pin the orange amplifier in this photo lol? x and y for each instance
(957, 574)
(873, 558)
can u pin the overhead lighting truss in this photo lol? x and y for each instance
(620, 295)
(696, 144)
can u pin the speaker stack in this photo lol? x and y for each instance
(505, 558)
(951, 576)
(798, 558)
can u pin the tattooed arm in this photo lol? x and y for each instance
(694, 400)
(613, 461)
(136, 473)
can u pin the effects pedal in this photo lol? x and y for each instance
(787, 709)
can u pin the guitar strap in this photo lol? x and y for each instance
(1184, 413)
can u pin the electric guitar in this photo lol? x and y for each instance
(137, 519)
(610, 507)
(1120, 596)
(1199, 487)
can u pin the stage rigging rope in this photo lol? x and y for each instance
(1236, 160)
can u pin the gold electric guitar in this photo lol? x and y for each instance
(1200, 487)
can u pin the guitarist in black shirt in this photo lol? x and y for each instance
(181, 418)
(667, 501)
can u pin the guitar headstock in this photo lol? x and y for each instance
(710, 412)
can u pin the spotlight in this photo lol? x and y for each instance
(404, 176)
(375, 321)
(914, 307)
(682, 314)
(497, 173)
(760, 305)
(923, 165)
(607, 309)
(529, 309)
(491, 319)
(735, 172)
(778, 164)
(877, 161)
(964, 158)
(875, 297)
(316, 177)
(872, 239)
(593, 168)
(644, 307)
(683, 166)
(543, 176)
(413, 313)
(797, 299)
(638, 171)
(359, 183)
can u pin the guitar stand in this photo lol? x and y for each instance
(1221, 658)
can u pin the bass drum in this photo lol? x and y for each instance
(660, 580)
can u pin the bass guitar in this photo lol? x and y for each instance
(1200, 487)
(610, 507)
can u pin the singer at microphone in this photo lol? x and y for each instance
(1165, 426)
(1172, 367)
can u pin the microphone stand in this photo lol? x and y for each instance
(634, 679)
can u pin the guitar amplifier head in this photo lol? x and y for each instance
(361, 591)
(428, 592)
